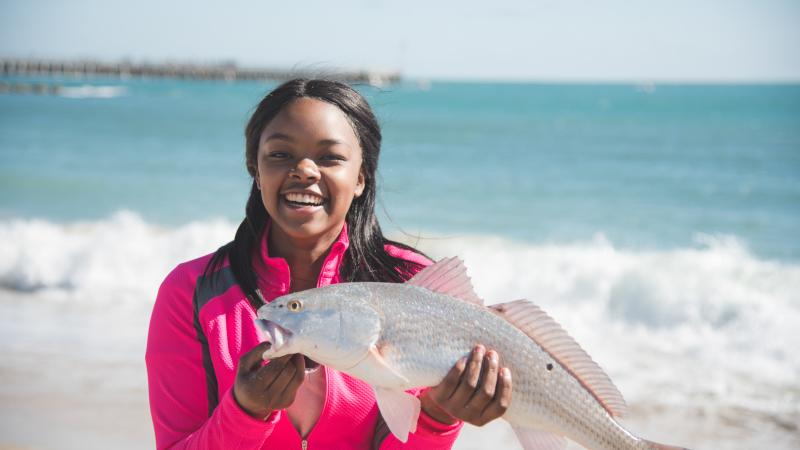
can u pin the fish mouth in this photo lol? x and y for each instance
(274, 333)
(279, 337)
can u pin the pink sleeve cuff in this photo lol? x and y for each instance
(430, 426)
(233, 414)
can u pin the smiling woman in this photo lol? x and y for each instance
(309, 171)
(312, 149)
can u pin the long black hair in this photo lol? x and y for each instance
(365, 258)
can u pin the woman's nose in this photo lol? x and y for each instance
(305, 169)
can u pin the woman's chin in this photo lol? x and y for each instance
(312, 226)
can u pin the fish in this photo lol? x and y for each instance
(399, 336)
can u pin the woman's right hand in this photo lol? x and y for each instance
(260, 389)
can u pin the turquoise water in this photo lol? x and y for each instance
(646, 167)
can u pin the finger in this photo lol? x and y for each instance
(251, 360)
(469, 379)
(286, 385)
(299, 377)
(299, 362)
(502, 398)
(273, 367)
(444, 390)
(488, 384)
(287, 373)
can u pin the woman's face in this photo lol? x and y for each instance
(309, 168)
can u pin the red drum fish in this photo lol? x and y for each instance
(401, 336)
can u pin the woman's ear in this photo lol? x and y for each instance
(360, 183)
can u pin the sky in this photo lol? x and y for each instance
(559, 40)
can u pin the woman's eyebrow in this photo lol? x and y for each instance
(330, 142)
(281, 136)
(322, 142)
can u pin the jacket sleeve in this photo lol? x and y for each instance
(177, 384)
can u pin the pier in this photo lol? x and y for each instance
(184, 71)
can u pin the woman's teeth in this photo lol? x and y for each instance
(304, 199)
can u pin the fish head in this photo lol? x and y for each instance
(334, 325)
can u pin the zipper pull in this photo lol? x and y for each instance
(304, 444)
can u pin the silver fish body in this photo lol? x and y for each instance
(400, 336)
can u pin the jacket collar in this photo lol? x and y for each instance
(273, 276)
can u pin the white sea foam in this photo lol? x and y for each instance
(710, 328)
(88, 261)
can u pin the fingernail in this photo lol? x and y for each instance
(493, 357)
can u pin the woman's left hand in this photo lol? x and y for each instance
(476, 390)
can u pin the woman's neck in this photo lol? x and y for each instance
(304, 256)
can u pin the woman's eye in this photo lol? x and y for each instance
(333, 157)
(278, 155)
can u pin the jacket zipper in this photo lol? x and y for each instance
(304, 444)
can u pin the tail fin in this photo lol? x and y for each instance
(657, 446)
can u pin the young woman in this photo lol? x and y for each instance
(312, 149)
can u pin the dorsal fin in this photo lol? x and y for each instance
(449, 277)
(554, 340)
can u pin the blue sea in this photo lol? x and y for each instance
(645, 166)
(658, 223)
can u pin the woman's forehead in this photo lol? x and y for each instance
(309, 119)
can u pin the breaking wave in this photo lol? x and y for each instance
(709, 325)
(88, 261)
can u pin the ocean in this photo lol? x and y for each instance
(657, 223)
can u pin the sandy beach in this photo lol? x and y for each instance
(74, 378)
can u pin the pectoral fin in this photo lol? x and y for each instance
(399, 409)
(376, 371)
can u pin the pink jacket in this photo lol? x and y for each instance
(199, 328)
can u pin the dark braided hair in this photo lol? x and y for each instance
(365, 258)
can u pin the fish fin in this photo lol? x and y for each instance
(554, 340)
(657, 446)
(399, 409)
(449, 277)
(375, 369)
(531, 439)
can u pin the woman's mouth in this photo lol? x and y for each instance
(298, 200)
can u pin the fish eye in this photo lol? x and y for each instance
(294, 305)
